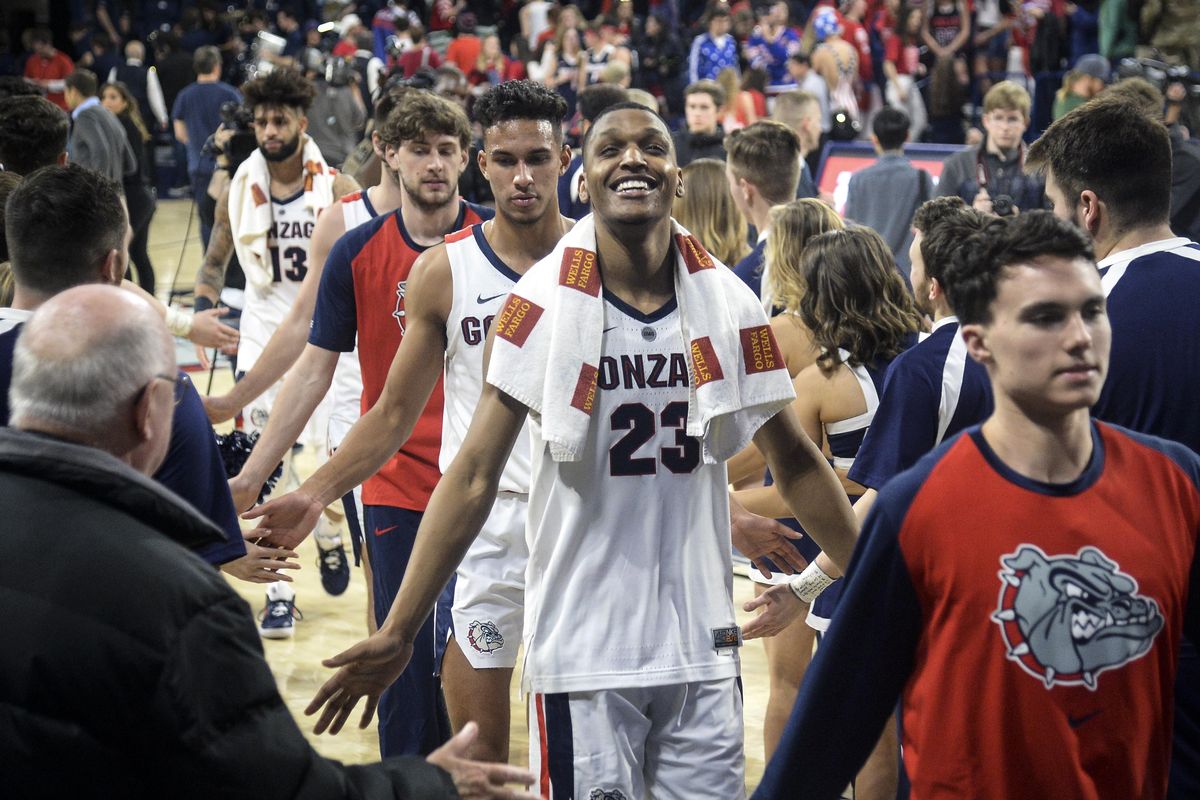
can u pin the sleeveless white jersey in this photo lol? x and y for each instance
(288, 242)
(346, 393)
(630, 577)
(481, 282)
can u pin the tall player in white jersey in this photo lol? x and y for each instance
(454, 292)
(629, 558)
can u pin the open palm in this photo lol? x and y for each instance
(365, 670)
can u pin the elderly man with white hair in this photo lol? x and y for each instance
(130, 667)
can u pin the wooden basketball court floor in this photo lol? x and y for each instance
(331, 624)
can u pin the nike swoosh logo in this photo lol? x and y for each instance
(1075, 722)
(382, 531)
(482, 299)
(606, 330)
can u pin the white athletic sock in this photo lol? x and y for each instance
(280, 590)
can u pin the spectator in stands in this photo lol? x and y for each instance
(142, 83)
(493, 66)
(337, 115)
(801, 111)
(97, 139)
(772, 42)
(47, 67)
(708, 212)
(884, 195)
(994, 170)
(703, 135)
(993, 18)
(660, 64)
(763, 168)
(197, 115)
(420, 55)
(465, 47)
(370, 70)
(100, 57)
(902, 68)
(713, 50)
(837, 61)
(139, 194)
(1085, 81)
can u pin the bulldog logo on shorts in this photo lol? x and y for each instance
(484, 636)
(258, 418)
(1065, 619)
(606, 794)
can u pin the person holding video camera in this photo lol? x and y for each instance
(338, 113)
(991, 176)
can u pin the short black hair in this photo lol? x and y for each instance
(523, 99)
(624, 105)
(599, 96)
(891, 128)
(16, 86)
(33, 133)
(8, 182)
(1110, 146)
(972, 279)
(280, 88)
(83, 81)
(61, 222)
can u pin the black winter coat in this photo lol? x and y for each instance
(128, 667)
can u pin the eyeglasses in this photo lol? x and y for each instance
(179, 380)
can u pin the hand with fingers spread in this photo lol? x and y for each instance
(780, 608)
(262, 563)
(479, 780)
(364, 671)
(287, 520)
(758, 537)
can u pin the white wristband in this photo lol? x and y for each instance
(810, 583)
(179, 323)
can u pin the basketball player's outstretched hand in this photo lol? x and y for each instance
(208, 331)
(780, 608)
(286, 520)
(479, 780)
(758, 537)
(365, 670)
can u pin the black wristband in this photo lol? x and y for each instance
(202, 303)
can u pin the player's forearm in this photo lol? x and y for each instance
(211, 278)
(301, 394)
(456, 512)
(815, 496)
(281, 352)
(373, 440)
(764, 501)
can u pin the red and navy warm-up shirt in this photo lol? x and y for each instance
(1030, 631)
(362, 297)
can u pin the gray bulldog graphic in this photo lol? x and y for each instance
(1065, 619)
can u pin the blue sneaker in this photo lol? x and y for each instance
(335, 569)
(278, 618)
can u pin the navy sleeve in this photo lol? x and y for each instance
(860, 669)
(904, 427)
(193, 470)
(335, 319)
(8, 344)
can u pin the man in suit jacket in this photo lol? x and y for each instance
(885, 195)
(97, 140)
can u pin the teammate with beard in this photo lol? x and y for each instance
(363, 296)
(455, 291)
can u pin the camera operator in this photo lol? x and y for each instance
(991, 176)
(338, 114)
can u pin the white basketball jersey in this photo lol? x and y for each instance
(630, 577)
(346, 393)
(481, 282)
(288, 242)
